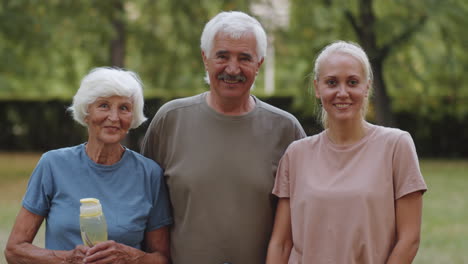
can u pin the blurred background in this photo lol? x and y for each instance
(417, 49)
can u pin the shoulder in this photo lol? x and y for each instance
(390, 133)
(274, 111)
(180, 103)
(174, 108)
(392, 137)
(279, 116)
(303, 144)
(62, 153)
(143, 161)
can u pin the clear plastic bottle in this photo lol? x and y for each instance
(93, 225)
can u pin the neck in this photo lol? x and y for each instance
(347, 133)
(103, 153)
(232, 107)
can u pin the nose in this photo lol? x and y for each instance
(342, 91)
(113, 115)
(232, 67)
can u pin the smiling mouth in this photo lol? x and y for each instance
(112, 128)
(341, 106)
(231, 79)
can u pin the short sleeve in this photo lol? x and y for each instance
(160, 214)
(299, 131)
(39, 194)
(150, 140)
(282, 186)
(407, 177)
(154, 143)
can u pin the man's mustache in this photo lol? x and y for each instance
(228, 77)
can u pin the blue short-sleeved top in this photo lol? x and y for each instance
(132, 193)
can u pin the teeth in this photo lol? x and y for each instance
(342, 105)
(231, 81)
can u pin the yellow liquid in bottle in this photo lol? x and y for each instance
(93, 229)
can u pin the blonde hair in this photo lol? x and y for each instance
(354, 50)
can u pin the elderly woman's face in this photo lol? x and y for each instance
(109, 119)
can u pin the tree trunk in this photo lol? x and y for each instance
(117, 44)
(382, 104)
(364, 27)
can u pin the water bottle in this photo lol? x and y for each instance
(92, 222)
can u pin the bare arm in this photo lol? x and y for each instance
(20, 250)
(156, 250)
(281, 242)
(408, 225)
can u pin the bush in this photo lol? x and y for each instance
(45, 125)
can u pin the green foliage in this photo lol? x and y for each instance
(47, 47)
(50, 45)
(430, 70)
(422, 73)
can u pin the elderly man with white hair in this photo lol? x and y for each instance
(220, 150)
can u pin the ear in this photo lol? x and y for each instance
(260, 62)
(368, 86)
(205, 60)
(316, 90)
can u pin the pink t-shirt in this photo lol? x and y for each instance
(342, 198)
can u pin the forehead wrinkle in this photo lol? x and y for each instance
(246, 54)
(221, 52)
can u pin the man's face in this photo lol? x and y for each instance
(232, 66)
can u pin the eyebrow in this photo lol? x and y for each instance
(246, 55)
(334, 76)
(224, 52)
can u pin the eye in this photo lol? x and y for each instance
(103, 105)
(331, 82)
(125, 108)
(353, 82)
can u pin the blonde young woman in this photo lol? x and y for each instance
(353, 193)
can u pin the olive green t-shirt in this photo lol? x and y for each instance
(220, 171)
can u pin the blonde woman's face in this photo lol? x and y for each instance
(342, 87)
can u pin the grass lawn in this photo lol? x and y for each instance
(444, 230)
(15, 169)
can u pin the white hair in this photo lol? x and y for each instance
(235, 24)
(107, 82)
(354, 50)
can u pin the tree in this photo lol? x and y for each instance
(51, 44)
(365, 26)
(385, 29)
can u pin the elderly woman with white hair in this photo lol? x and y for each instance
(353, 193)
(129, 186)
